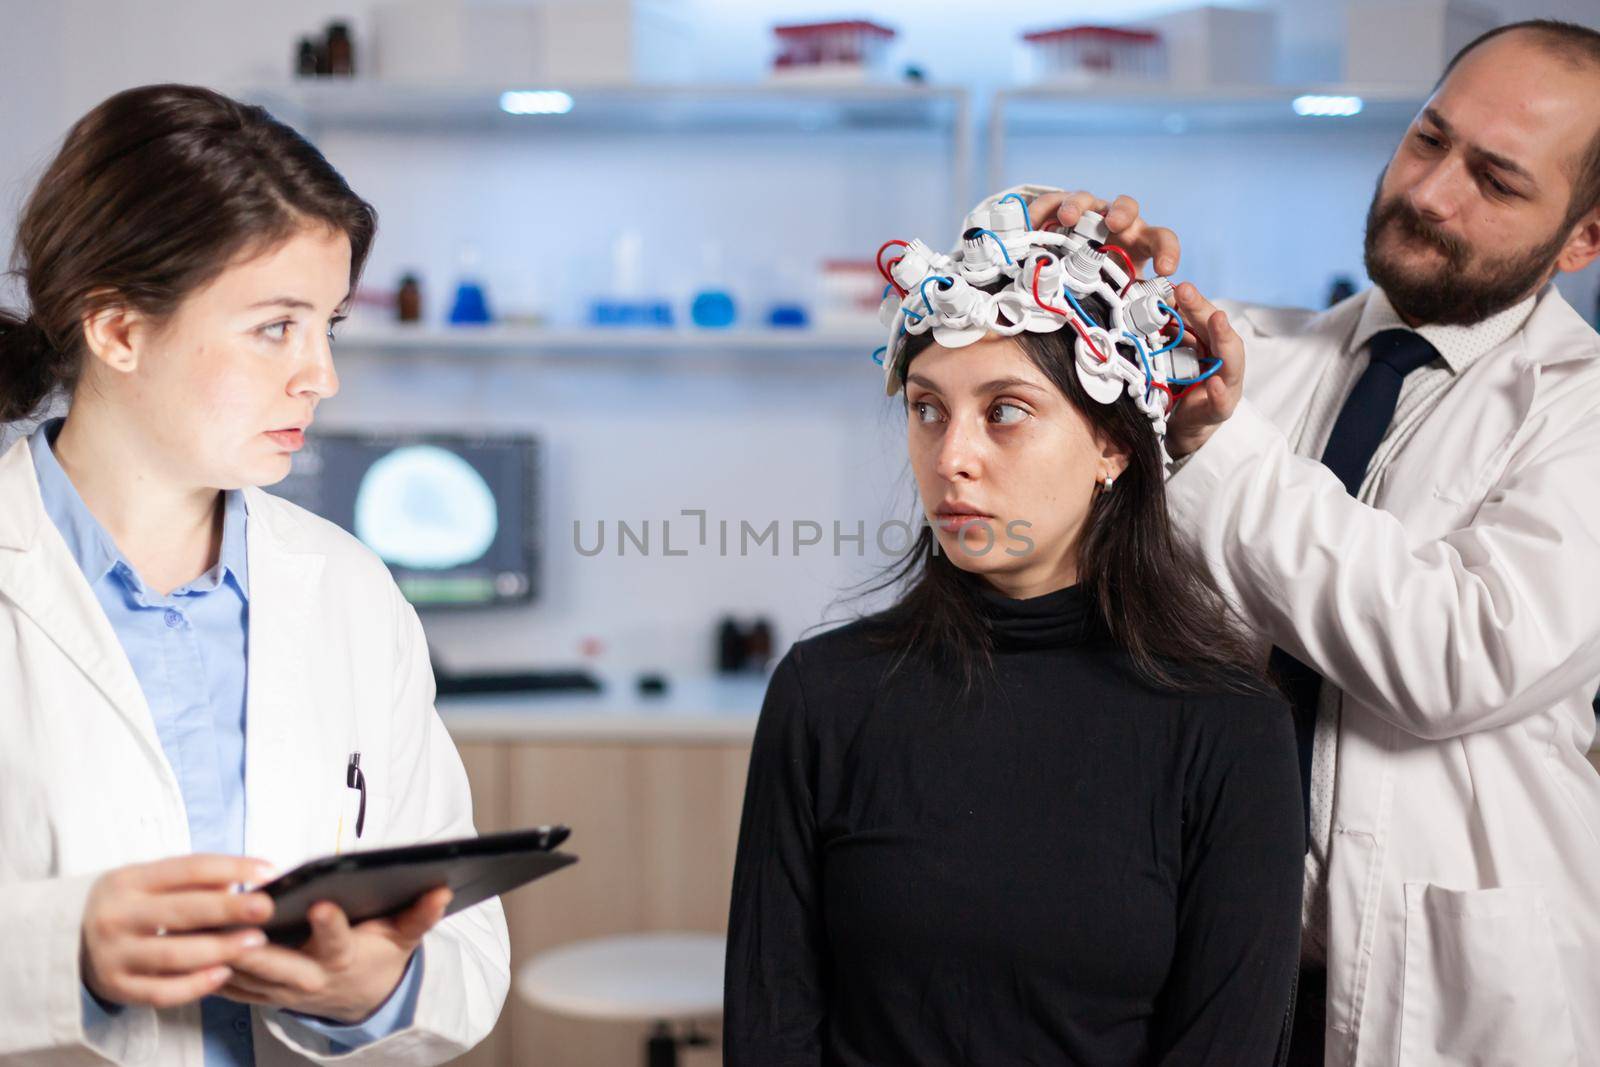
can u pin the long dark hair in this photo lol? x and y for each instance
(1151, 590)
(153, 193)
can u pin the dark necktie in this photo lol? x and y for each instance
(1357, 432)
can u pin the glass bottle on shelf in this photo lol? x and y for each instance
(341, 51)
(408, 299)
(471, 306)
(713, 306)
(307, 58)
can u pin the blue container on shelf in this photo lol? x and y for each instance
(713, 309)
(788, 317)
(471, 307)
(626, 313)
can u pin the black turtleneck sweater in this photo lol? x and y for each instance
(1064, 866)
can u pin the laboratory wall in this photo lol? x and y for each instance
(1270, 217)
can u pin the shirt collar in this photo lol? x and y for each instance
(93, 549)
(1459, 346)
(233, 559)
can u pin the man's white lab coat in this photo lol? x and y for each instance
(1460, 615)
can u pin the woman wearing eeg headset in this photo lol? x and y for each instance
(188, 665)
(1037, 811)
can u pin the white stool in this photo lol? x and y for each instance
(661, 978)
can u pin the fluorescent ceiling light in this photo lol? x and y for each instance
(535, 102)
(1317, 106)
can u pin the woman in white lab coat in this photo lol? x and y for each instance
(185, 259)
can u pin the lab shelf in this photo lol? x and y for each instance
(324, 105)
(1137, 108)
(1128, 108)
(319, 107)
(747, 348)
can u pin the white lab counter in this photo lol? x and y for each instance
(695, 709)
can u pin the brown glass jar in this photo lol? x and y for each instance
(341, 52)
(408, 301)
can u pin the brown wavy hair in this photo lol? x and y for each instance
(152, 195)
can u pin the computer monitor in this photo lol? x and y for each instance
(453, 515)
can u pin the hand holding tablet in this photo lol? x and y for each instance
(385, 881)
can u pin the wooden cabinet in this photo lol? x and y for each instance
(654, 825)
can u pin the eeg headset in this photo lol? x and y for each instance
(1047, 273)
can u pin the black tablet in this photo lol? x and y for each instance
(384, 881)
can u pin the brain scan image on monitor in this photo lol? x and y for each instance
(424, 507)
(455, 516)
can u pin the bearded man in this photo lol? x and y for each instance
(1403, 498)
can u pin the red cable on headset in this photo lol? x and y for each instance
(884, 270)
(887, 245)
(1037, 267)
(1070, 317)
(1133, 275)
(891, 265)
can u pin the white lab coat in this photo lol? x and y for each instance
(337, 664)
(1460, 615)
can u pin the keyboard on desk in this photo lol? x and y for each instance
(566, 681)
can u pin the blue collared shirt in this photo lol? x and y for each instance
(188, 650)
